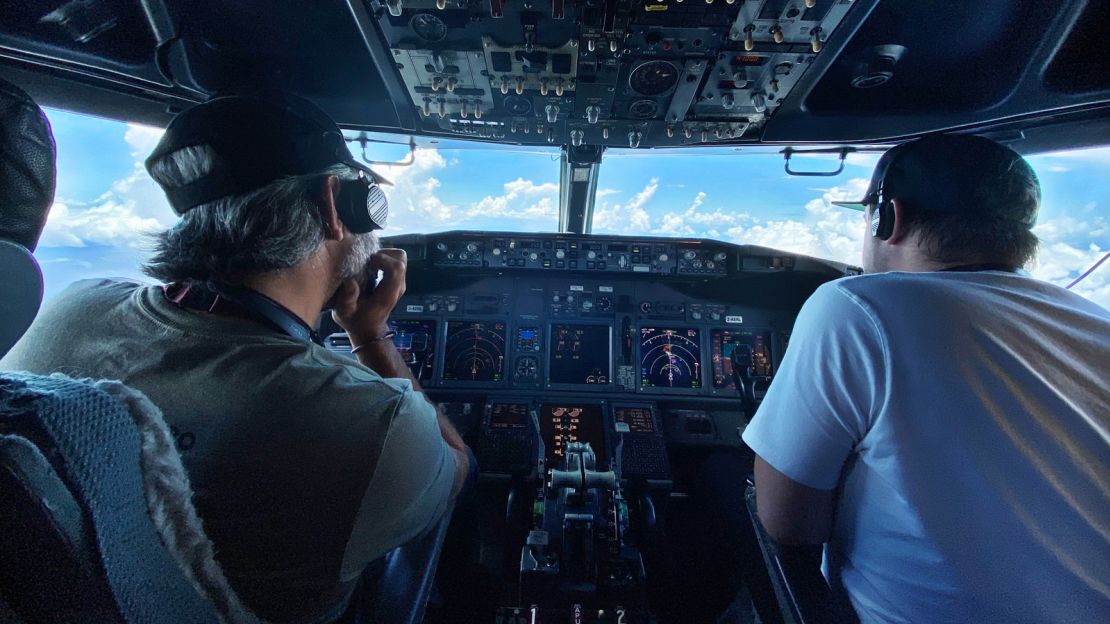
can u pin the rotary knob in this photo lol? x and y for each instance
(441, 246)
(471, 247)
(560, 254)
(591, 255)
(690, 254)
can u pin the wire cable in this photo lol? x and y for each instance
(1088, 271)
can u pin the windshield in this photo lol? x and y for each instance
(745, 196)
(106, 205)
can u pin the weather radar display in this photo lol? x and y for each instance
(670, 357)
(475, 351)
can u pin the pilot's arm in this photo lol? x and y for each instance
(817, 412)
(363, 311)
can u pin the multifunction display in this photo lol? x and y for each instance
(722, 342)
(634, 419)
(580, 354)
(670, 357)
(416, 342)
(562, 424)
(475, 351)
(508, 415)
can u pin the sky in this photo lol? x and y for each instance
(106, 206)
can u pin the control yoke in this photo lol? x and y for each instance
(742, 362)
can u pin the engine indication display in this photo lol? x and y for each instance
(580, 354)
(561, 424)
(670, 357)
(634, 419)
(416, 342)
(721, 344)
(475, 351)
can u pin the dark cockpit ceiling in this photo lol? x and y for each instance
(610, 73)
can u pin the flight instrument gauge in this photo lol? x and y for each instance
(475, 351)
(428, 27)
(527, 368)
(670, 357)
(653, 78)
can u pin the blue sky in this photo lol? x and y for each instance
(106, 205)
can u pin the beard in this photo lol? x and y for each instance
(363, 247)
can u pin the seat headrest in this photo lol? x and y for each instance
(27, 179)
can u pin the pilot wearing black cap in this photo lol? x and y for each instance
(306, 465)
(940, 424)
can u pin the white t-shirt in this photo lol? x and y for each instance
(966, 417)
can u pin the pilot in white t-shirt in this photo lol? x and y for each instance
(965, 419)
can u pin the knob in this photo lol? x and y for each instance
(716, 316)
(776, 33)
(690, 254)
(551, 136)
(471, 247)
(441, 4)
(749, 40)
(717, 134)
(728, 101)
(709, 264)
(519, 86)
(664, 257)
(605, 132)
(504, 85)
(591, 255)
(477, 110)
(441, 246)
(452, 84)
(433, 306)
(720, 256)
(686, 132)
(775, 86)
(576, 137)
(696, 264)
(559, 88)
(463, 255)
(496, 251)
(704, 135)
(815, 42)
(613, 45)
(560, 254)
(570, 298)
(670, 131)
(811, 3)
(592, 113)
(442, 109)
(539, 129)
(634, 139)
(437, 82)
(533, 256)
(395, 7)
(462, 109)
(427, 107)
(759, 103)
(696, 315)
(623, 261)
(591, 45)
(543, 87)
(552, 113)
(452, 306)
(527, 127)
(555, 298)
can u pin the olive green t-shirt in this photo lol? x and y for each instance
(305, 464)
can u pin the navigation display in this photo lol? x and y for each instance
(580, 354)
(560, 424)
(416, 342)
(670, 357)
(721, 344)
(632, 419)
(508, 415)
(475, 351)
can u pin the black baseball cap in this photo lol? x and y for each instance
(257, 141)
(948, 173)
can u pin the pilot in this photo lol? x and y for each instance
(941, 424)
(307, 465)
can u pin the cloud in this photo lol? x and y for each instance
(414, 201)
(131, 209)
(631, 217)
(522, 199)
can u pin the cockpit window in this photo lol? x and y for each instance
(106, 204)
(745, 196)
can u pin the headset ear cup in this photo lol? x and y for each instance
(882, 223)
(351, 207)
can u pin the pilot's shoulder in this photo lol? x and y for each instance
(343, 378)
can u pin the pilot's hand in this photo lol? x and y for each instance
(363, 309)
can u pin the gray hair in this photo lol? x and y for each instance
(269, 229)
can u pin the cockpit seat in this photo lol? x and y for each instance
(96, 519)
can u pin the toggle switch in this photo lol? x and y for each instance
(592, 113)
(552, 111)
(776, 34)
(749, 40)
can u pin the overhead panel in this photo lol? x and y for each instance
(614, 73)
